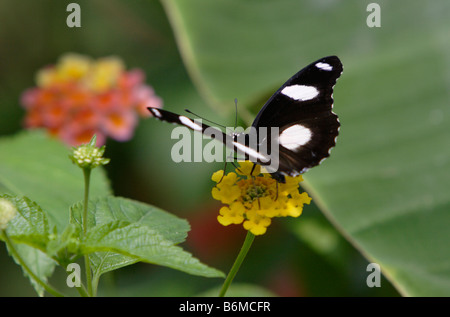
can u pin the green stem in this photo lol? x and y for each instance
(82, 291)
(237, 263)
(87, 265)
(95, 281)
(16, 255)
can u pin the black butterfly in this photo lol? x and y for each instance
(301, 110)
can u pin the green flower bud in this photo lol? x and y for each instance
(7, 212)
(88, 155)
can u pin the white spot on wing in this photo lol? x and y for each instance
(156, 113)
(300, 92)
(189, 123)
(249, 151)
(303, 170)
(295, 136)
(324, 66)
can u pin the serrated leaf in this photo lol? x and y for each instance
(102, 262)
(135, 231)
(110, 208)
(38, 262)
(29, 233)
(30, 224)
(147, 245)
(107, 209)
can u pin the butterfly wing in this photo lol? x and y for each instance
(302, 109)
(212, 132)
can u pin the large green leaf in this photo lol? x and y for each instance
(123, 231)
(146, 245)
(108, 209)
(386, 185)
(37, 166)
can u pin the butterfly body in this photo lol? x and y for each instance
(297, 121)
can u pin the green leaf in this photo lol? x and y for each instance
(386, 184)
(30, 233)
(37, 166)
(64, 243)
(146, 245)
(30, 224)
(110, 208)
(38, 262)
(102, 262)
(123, 231)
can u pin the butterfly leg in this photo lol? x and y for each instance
(224, 170)
(253, 169)
(236, 167)
(276, 197)
(278, 177)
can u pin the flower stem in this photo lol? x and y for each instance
(237, 263)
(17, 256)
(87, 265)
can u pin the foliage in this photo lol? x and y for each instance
(120, 231)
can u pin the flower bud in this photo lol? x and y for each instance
(88, 155)
(7, 212)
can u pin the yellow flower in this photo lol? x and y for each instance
(104, 73)
(254, 200)
(246, 169)
(231, 215)
(73, 66)
(256, 223)
(46, 77)
(97, 76)
(226, 190)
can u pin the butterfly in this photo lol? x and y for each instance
(297, 121)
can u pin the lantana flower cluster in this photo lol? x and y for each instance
(79, 97)
(254, 199)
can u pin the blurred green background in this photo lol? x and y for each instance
(382, 197)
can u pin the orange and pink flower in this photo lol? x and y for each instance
(79, 97)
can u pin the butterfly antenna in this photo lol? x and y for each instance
(235, 126)
(189, 111)
(236, 112)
